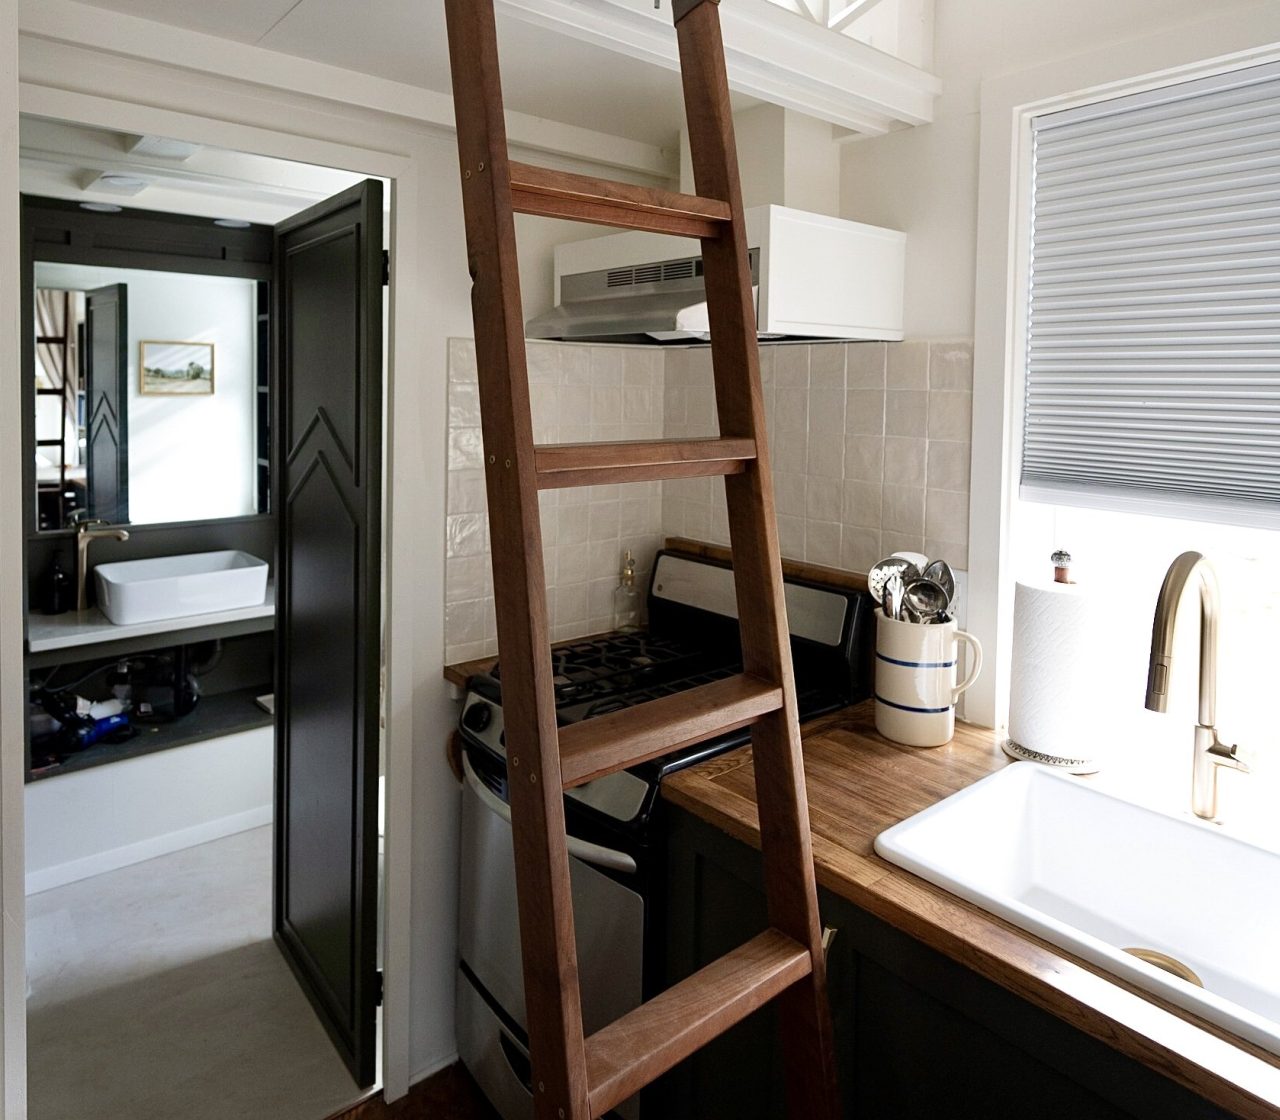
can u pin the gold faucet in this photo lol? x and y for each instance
(1210, 751)
(85, 536)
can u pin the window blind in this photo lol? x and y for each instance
(1153, 333)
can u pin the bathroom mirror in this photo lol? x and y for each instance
(151, 395)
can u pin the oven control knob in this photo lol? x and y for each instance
(478, 716)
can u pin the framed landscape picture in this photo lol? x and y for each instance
(176, 369)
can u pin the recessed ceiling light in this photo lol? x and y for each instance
(101, 207)
(115, 182)
(163, 147)
(231, 223)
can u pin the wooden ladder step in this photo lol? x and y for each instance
(595, 747)
(628, 1054)
(604, 462)
(562, 194)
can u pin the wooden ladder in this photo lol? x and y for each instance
(577, 1077)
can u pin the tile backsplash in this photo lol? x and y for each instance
(869, 444)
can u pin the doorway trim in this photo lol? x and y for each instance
(250, 122)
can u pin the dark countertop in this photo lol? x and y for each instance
(858, 785)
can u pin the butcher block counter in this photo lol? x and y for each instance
(858, 785)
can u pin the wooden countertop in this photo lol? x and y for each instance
(858, 785)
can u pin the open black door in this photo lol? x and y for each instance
(327, 481)
(106, 412)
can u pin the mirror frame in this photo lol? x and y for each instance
(59, 230)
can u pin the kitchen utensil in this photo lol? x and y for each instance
(881, 571)
(919, 559)
(944, 576)
(926, 599)
(894, 589)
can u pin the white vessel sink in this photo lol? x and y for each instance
(1095, 875)
(134, 591)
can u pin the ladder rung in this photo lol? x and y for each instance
(595, 747)
(561, 194)
(601, 463)
(628, 1054)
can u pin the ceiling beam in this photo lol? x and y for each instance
(82, 25)
(771, 55)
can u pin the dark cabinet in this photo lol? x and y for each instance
(917, 1035)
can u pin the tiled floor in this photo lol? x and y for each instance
(157, 992)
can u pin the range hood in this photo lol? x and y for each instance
(813, 277)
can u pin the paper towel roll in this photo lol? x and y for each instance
(1057, 675)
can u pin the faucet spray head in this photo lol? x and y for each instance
(1158, 684)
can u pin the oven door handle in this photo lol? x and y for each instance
(584, 850)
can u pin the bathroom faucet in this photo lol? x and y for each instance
(86, 534)
(1210, 751)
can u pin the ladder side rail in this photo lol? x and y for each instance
(786, 845)
(537, 802)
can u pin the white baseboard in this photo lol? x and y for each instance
(60, 874)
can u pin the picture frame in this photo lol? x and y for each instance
(168, 368)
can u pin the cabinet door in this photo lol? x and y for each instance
(328, 498)
(107, 403)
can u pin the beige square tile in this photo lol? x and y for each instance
(543, 361)
(790, 451)
(862, 504)
(462, 359)
(603, 521)
(641, 366)
(571, 564)
(864, 365)
(571, 604)
(826, 410)
(790, 492)
(575, 406)
(467, 577)
(697, 521)
(767, 371)
(466, 534)
(791, 409)
(903, 510)
(822, 543)
(951, 365)
(600, 599)
(864, 458)
(950, 415)
(826, 456)
(464, 404)
(575, 365)
(466, 449)
(826, 365)
(901, 542)
(634, 516)
(864, 412)
(824, 499)
(573, 525)
(908, 365)
(948, 465)
(606, 366)
(464, 622)
(904, 461)
(606, 404)
(544, 403)
(791, 368)
(859, 548)
(947, 515)
(955, 553)
(791, 537)
(675, 408)
(906, 412)
(467, 492)
(637, 404)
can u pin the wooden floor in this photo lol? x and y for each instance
(449, 1095)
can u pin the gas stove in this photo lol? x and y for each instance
(692, 639)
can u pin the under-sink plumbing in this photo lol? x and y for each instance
(1210, 751)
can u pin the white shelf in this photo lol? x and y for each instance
(91, 627)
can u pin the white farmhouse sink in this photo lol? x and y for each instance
(134, 591)
(1096, 875)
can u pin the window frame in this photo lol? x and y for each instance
(1009, 103)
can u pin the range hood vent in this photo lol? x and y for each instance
(812, 277)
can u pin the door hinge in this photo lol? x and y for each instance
(386, 267)
(378, 988)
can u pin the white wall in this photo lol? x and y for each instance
(191, 457)
(97, 820)
(925, 180)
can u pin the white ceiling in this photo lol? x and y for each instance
(544, 74)
(60, 160)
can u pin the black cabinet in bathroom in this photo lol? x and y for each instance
(918, 1036)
